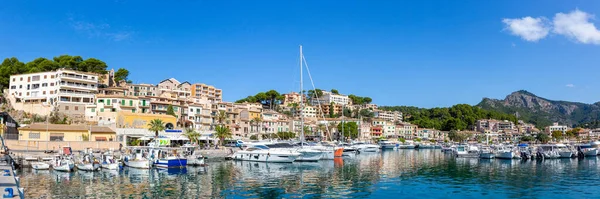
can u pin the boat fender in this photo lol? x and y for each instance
(9, 193)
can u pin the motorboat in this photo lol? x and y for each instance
(588, 150)
(548, 151)
(137, 158)
(262, 153)
(366, 148)
(466, 151)
(63, 163)
(596, 144)
(486, 153)
(193, 157)
(524, 151)
(88, 162)
(406, 145)
(505, 152)
(425, 146)
(448, 149)
(564, 151)
(349, 150)
(165, 157)
(385, 144)
(108, 161)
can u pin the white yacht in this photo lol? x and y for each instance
(262, 153)
(366, 148)
(596, 144)
(385, 144)
(548, 151)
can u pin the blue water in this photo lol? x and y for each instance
(392, 174)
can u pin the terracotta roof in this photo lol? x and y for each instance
(66, 127)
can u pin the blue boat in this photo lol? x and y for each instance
(167, 158)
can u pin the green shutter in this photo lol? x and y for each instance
(130, 102)
(122, 102)
(93, 110)
(101, 109)
(133, 110)
(107, 101)
(143, 102)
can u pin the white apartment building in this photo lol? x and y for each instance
(556, 127)
(308, 112)
(65, 90)
(393, 116)
(329, 97)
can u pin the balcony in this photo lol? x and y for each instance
(77, 86)
(79, 78)
(76, 94)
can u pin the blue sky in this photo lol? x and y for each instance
(418, 53)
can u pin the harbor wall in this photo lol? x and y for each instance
(22, 145)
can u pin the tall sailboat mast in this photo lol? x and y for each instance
(301, 101)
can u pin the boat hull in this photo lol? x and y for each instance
(171, 163)
(110, 166)
(64, 167)
(370, 150)
(565, 154)
(138, 164)
(591, 152)
(505, 155)
(195, 161)
(88, 167)
(40, 166)
(265, 157)
(487, 156)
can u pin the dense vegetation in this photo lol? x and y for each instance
(457, 117)
(12, 66)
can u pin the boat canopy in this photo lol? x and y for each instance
(523, 145)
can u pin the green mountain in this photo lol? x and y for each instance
(541, 111)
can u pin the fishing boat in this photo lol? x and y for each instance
(63, 163)
(39, 165)
(165, 157)
(108, 161)
(262, 153)
(486, 153)
(193, 157)
(385, 144)
(466, 151)
(88, 162)
(137, 158)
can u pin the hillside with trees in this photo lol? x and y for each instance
(457, 117)
(13, 66)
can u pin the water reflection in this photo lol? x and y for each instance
(406, 173)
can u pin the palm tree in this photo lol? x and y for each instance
(222, 132)
(156, 125)
(258, 121)
(222, 117)
(192, 135)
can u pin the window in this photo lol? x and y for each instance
(51, 92)
(102, 139)
(114, 101)
(76, 108)
(130, 102)
(44, 84)
(113, 110)
(45, 76)
(66, 108)
(93, 110)
(21, 79)
(51, 84)
(35, 78)
(123, 102)
(100, 101)
(13, 79)
(101, 110)
(13, 87)
(133, 110)
(57, 136)
(108, 102)
(34, 135)
(51, 76)
(44, 92)
(20, 86)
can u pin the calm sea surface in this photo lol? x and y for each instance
(392, 174)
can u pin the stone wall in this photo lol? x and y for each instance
(20, 145)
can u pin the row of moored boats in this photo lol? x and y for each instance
(524, 151)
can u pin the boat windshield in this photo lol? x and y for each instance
(261, 147)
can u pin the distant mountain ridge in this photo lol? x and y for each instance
(541, 111)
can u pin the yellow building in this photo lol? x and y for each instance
(141, 120)
(64, 132)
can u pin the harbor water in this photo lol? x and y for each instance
(391, 174)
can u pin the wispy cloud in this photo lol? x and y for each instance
(576, 25)
(570, 85)
(528, 28)
(99, 30)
